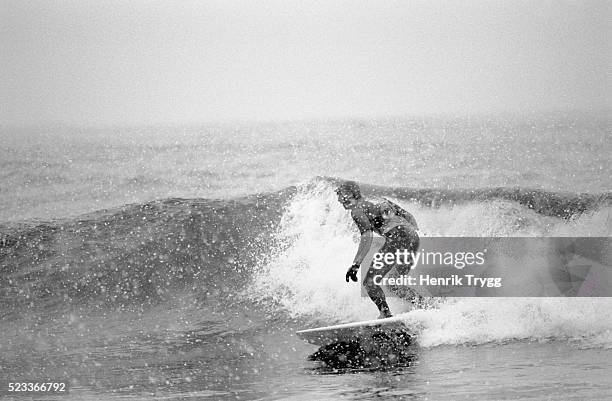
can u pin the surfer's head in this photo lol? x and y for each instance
(348, 194)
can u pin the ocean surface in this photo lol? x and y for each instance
(176, 263)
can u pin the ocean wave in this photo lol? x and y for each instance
(134, 254)
(143, 253)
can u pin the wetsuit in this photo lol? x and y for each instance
(399, 234)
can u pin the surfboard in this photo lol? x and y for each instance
(356, 331)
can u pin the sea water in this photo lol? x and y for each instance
(177, 262)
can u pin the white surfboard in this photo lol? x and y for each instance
(355, 331)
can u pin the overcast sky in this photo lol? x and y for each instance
(146, 62)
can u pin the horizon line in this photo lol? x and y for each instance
(321, 119)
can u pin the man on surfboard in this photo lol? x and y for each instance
(394, 224)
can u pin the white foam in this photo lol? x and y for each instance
(483, 320)
(306, 276)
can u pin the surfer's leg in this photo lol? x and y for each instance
(399, 238)
(402, 239)
(375, 292)
(406, 239)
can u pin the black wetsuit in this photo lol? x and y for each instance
(369, 217)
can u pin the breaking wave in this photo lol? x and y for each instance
(304, 274)
(290, 249)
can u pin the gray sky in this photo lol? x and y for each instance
(145, 62)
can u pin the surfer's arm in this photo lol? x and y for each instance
(411, 220)
(366, 230)
(365, 242)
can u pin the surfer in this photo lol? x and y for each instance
(394, 224)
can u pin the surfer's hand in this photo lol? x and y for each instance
(351, 273)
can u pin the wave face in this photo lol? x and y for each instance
(137, 254)
(289, 250)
